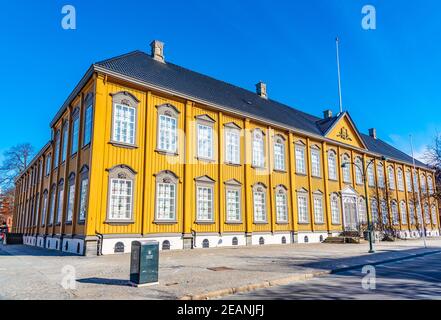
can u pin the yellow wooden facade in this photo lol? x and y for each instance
(101, 155)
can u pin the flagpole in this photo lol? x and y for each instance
(419, 200)
(337, 42)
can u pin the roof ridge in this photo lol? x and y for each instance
(316, 118)
(118, 57)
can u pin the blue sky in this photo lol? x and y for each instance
(390, 76)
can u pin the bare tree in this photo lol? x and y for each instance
(433, 157)
(15, 161)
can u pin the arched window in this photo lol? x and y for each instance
(259, 199)
(380, 175)
(400, 180)
(346, 169)
(415, 181)
(318, 207)
(166, 196)
(166, 245)
(391, 177)
(75, 130)
(362, 210)
(281, 204)
(395, 216)
(408, 181)
(121, 193)
(124, 118)
(321, 238)
(167, 134)
(65, 140)
(403, 212)
(412, 213)
(423, 183)
(315, 161)
(306, 239)
(300, 157)
(52, 204)
(332, 164)
(283, 240)
(430, 184)
(45, 208)
(335, 209)
(358, 171)
(258, 149)
(371, 175)
(426, 213)
(279, 153)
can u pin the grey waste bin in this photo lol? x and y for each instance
(144, 263)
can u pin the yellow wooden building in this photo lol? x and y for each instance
(145, 149)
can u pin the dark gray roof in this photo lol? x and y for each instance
(141, 66)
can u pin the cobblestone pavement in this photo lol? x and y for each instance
(34, 273)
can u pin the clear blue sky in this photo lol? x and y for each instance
(390, 76)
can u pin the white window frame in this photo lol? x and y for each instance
(319, 217)
(315, 162)
(60, 202)
(65, 137)
(332, 164)
(300, 155)
(75, 131)
(52, 205)
(358, 173)
(346, 170)
(205, 184)
(412, 211)
(88, 122)
(258, 145)
(408, 177)
(391, 177)
(123, 176)
(430, 185)
(126, 103)
(281, 204)
(84, 194)
(167, 129)
(371, 175)
(260, 190)
(400, 180)
(384, 212)
(279, 153)
(57, 148)
(423, 183)
(45, 208)
(303, 214)
(380, 175)
(374, 210)
(70, 198)
(335, 209)
(233, 207)
(395, 213)
(232, 135)
(166, 205)
(403, 212)
(205, 137)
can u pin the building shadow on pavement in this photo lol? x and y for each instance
(23, 250)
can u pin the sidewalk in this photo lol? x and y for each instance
(33, 273)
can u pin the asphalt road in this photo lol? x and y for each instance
(417, 278)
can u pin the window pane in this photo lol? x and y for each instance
(87, 126)
(205, 141)
(166, 200)
(281, 207)
(204, 203)
(300, 159)
(167, 133)
(259, 207)
(83, 199)
(124, 124)
(75, 131)
(233, 205)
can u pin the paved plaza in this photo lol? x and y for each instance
(34, 273)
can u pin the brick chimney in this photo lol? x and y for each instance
(327, 114)
(373, 133)
(157, 50)
(261, 90)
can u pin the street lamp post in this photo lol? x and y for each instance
(364, 172)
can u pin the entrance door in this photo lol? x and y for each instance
(350, 213)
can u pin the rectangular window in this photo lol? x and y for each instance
(166, 201)
(57, 149)
(83, 199)
(65, 141)
(75, 132)
(52, 207)
(258, 150)
(124, 124)
(233, 205)
(121, 197)
(335, 210)
(332, 166)
(281, 208)
(300, 159)
(374, 210)
(302, 208)
(204, 197)
(259, 206)
(44, 211)
(205, 141)
(318, 210)
(70, 202)
(60, 204)
(48, 165)
(279, 156)
(87, 126)
(232, 146)
(346, 171)
(167, 139)
(315, 162)
(408, 182)
(380, 175)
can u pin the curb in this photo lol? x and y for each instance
(294, 278)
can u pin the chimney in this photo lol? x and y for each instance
(373, 133)
(157, 50)
(261, 90)
(327, 114)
